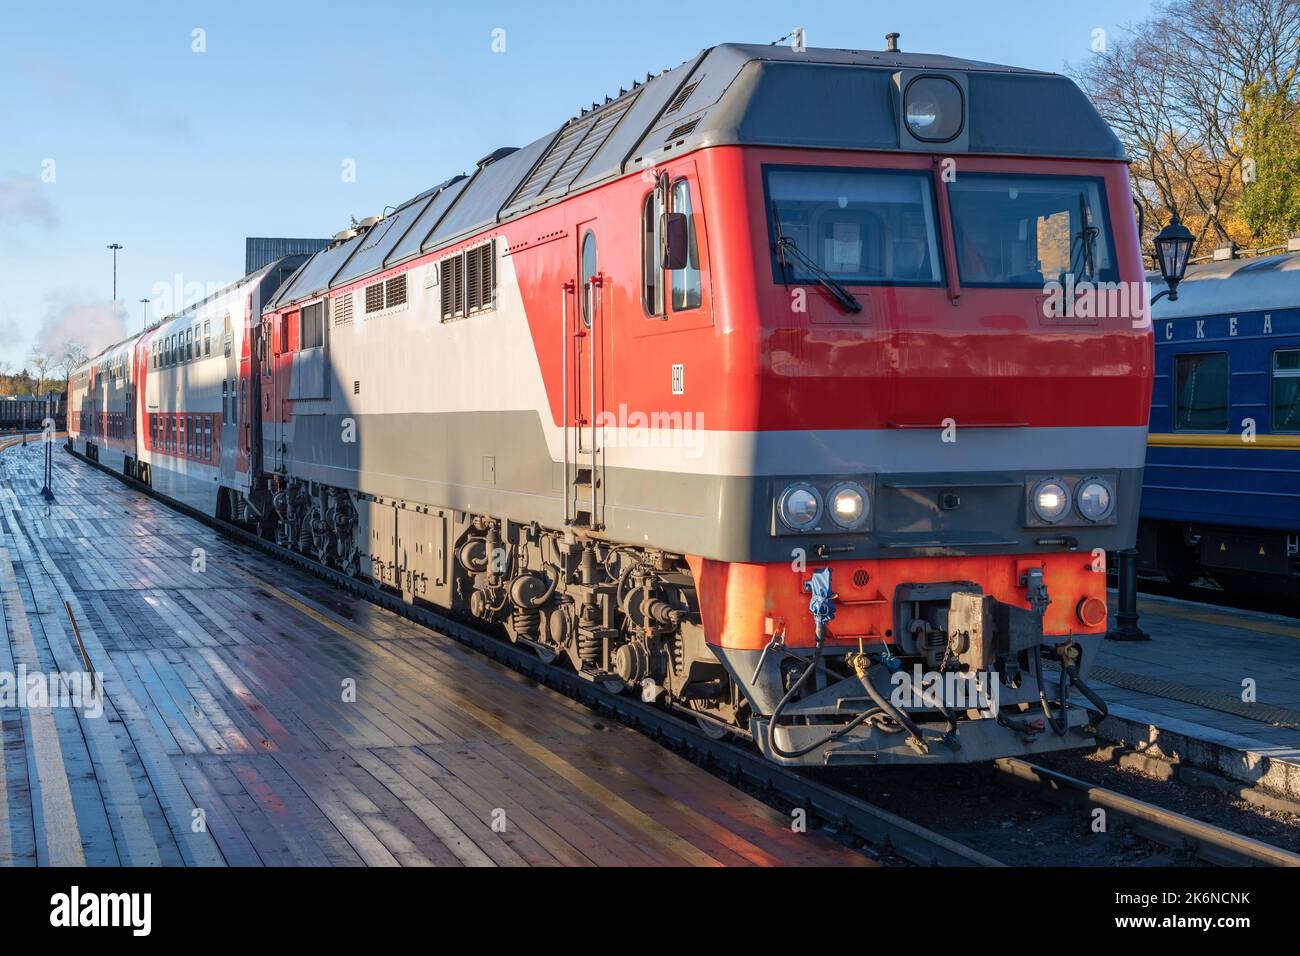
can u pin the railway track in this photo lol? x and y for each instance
(889, 835)
(1204, 841)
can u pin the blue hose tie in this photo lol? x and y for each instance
(822, 605)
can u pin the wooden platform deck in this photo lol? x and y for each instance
(228, 735)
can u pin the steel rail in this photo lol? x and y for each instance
(1166, 827)
(884, 831)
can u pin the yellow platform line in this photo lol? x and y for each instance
(1213, 617)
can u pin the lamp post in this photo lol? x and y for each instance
(1173, 251)
(114, 247)
(144, 312)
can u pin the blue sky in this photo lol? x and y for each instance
(178, 155)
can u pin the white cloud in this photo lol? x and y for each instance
(23, 201)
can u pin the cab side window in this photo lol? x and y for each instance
(685, 282)
(652, 275)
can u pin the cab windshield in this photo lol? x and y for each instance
(879, 227)
(1029, 230)
(859, 226)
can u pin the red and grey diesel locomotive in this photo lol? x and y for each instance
(737, 389)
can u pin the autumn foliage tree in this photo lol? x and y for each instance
(1206, 99)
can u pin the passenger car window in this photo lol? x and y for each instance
(1201, 392)
(685, 283)
(1286, 390)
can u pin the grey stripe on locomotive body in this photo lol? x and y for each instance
(497, 463)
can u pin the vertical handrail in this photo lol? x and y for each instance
(596, 317)
(564, 387)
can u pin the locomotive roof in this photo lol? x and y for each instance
(1232, 287)
(725, 95)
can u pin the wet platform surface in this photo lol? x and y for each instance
(229, 734)
(1200, 663)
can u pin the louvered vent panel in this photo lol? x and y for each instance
(445, 284)
(479, 280)
(487, 282)
(343, 309)
(683, 130)
(374, 297)
(395, 291)
(537, 180)
(453, 286)
(594, 139)
(680, 99)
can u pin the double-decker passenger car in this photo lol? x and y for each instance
(1222, 491)
(742, 388)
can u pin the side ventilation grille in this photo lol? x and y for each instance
(680, 99)
(684, 130)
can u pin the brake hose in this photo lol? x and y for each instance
(1059, 728)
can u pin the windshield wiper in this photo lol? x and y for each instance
(786, 246)
(1087, 239)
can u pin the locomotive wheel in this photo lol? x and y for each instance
(712, 728)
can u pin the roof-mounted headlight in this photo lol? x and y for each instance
(932, 108)
(800, 506)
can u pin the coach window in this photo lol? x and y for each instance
(207, 437)
(225, 334)
(207, 336)
(1286, 390)
(1201, 392)
(685, 282)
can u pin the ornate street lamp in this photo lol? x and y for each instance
(1173, 249)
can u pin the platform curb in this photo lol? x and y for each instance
(1269, 767)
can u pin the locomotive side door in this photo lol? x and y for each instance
(585, 326)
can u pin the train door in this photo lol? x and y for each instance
(584, 320)
(233, 373)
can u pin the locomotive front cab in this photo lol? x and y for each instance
(950, 421)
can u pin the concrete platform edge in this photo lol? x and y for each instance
(1244, 759)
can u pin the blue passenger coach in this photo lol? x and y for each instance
(1221, 494)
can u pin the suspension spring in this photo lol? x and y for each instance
(589, 647)
(527, 622)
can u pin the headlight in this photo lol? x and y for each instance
(1095, 498)
(1050, 500)
(933, 108)
(849, 505)
(800, 506)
